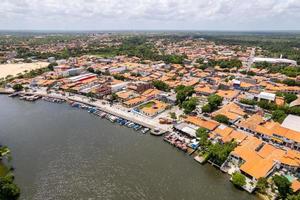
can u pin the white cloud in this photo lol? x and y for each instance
(158, 14)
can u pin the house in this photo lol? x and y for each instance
(153, 108)
(266, 96)
(232, 111)
(225, 134)
(228, 95)
(204, 89)
(208, 124)
(167, 98)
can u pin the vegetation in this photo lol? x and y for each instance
(225, 63)
(182, 93)
(238, 179)
(18, 87)
(293, 197)
(8, 189)
(213, 102)
(262, 185)
(283, 185)
(290, 71)
(278, 116)
(160, 85)
(52, 65)
(222, 119)
(202, 133)
(288, 97)
(291, 82)
(248, 102)
(218, 153)
(173, 115)
(119, 77)
(190, 105)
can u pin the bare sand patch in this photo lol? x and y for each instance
(14, 69)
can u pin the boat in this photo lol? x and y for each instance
(112, 118)
(103, 114)
(145, 130)
(130, 125)
(137, 127)
(123, 122)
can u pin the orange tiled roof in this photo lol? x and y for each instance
(295, 186)
(231, 110)
(210, 125)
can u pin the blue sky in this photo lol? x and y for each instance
(150, 15)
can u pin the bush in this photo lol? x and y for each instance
(206, 108)
(238, 179)
(262, 185)
(18, 87)
(160, 85)
(190, 105)
(8, 189)
(278, 116)
(222, 119)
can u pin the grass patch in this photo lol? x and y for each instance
(147, 105)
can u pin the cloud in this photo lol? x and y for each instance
(159, 14)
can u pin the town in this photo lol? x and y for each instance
(231, 106)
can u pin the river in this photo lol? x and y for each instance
(60, 152)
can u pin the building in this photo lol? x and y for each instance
(266, 96)
(275, 61)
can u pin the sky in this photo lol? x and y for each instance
(150, 15)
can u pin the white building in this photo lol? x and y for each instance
(275, 60)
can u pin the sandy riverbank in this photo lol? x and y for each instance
(14, 69)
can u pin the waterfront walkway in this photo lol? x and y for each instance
(111, 109)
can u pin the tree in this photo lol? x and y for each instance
(173, 115)
(18, 87)
(160, 85)
(293, 197)
(214, 101)
(52, 65)
(262, 185)
(183, 92)
(278, 116)
(119, 77)
(8, 189)
(289, 97)
(202, 133)
(283, 185)
(222, 119)
(200, 60)
(248, 102)
(238, 179)
(190, 105)
(90, 69)
(218, 153)
(206, 108)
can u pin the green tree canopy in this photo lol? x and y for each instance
(238, 179)
(283, 185)
(160, 85)
(8, 189)
(18, 87)
(222, 119)
(278, 116)
(190, 105)
(262, 185)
